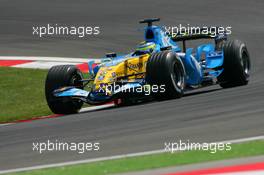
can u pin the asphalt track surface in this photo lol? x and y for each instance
(210, 114)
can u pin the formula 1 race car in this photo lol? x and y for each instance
(158, 68)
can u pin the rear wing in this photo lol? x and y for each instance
(202, 33)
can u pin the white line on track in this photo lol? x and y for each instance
(116, 157)
(5, 124)
(43, 64)
(93, 108)
(55, 59)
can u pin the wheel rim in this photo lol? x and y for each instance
(177, 76)
(75, 80)
(245, 63)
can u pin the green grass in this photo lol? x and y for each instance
(153, 161)
(22, 94)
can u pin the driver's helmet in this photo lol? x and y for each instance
(146, 47)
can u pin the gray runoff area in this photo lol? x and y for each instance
(205, 115)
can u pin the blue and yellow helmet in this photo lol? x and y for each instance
(146, 47)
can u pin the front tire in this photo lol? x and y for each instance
(236, 65)
(166, 69)
(61, 76)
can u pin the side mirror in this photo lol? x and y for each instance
(166, 48)
(111, 55)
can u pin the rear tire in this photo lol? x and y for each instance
(61, 76)
(236, 65)
(166, 68)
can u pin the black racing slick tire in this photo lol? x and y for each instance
(236, 65)
(61, 76)
(166, 69)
